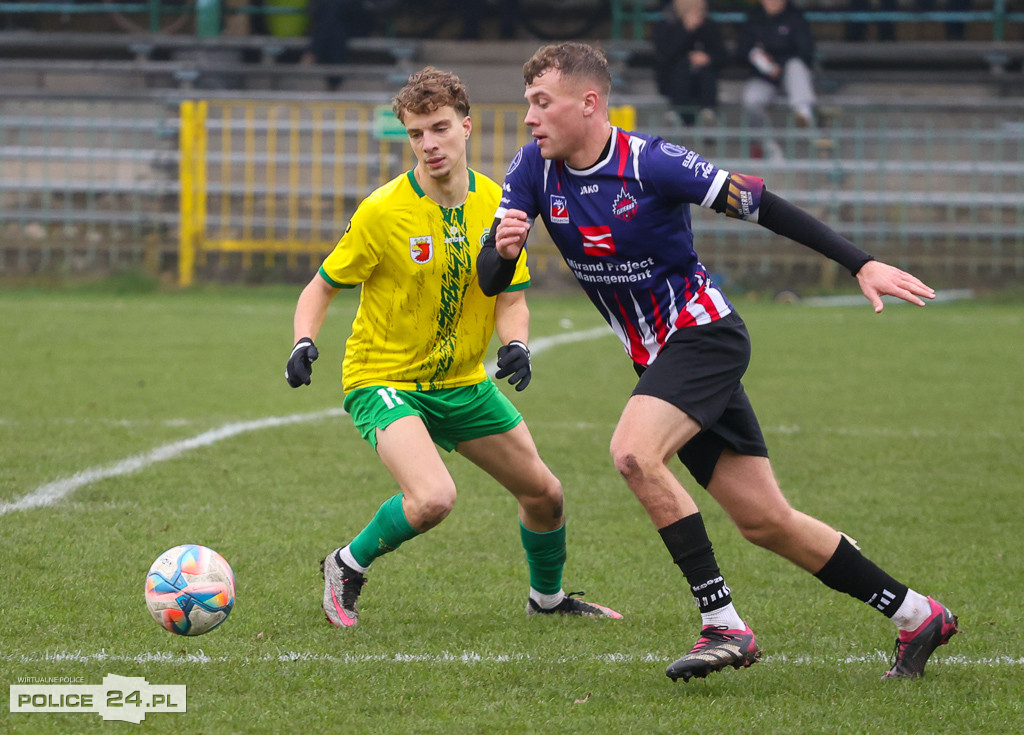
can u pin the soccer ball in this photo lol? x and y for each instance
(190, 590)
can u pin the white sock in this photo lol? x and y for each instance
(914, 611)
(346, 556)
(726, 616)
(546, 602)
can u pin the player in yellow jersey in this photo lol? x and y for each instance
(413, 371)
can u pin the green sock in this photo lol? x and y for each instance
(545, 553)
(386, 532)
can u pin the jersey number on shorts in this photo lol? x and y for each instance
(390, 397)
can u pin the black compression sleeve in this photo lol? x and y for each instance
(788, 220)
(492, 271)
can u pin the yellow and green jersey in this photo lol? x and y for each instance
(423, 323)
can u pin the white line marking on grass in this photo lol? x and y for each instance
(463, 657)
(52, 492)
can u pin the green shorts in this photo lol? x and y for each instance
(451, 415)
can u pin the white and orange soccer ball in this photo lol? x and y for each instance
(190, 590)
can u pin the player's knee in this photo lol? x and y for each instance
(632, 464)
(546, 499)
(428, 509)
(769, 530)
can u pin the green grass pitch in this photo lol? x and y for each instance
(149, 415)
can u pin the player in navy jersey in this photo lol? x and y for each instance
(616, 203)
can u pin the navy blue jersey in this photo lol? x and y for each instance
(623, 228)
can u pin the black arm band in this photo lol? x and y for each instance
(788, 220)
(494, 273)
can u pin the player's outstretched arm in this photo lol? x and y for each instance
(876, 279)
(879, 279)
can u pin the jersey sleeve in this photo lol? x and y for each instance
(521, 278)
(681, 174)
(357, 252)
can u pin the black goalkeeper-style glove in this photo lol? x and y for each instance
(514, 361)
(299, 370)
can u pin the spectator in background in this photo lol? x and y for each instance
(955, 30)
(689, 52)
(776, 43)
(857, 31)
(332, 24)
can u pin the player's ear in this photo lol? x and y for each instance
(467, 125)
(591, 102)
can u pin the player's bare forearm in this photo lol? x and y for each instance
(512, 317)
(879, 279)
(311, 309)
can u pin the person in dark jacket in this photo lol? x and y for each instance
(777, 44)
(689, 52)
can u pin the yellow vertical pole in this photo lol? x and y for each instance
(248, 199)
(226, 148)
(338, 161)
(186, 200)
(200, 180)
(294, 177)
(498, 161)
(362, 150)
(271, 202)
(623, 116)
(317, 174)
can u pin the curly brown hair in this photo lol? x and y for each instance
(573, 60)
(428, 90)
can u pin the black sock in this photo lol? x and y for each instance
(687, 540)
(851, 572)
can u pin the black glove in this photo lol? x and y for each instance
(514, 360)
(300, 364)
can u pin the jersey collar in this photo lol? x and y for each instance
(419, 191)
(603, 160)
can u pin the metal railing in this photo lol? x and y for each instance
(640, 14)
(235, 187)
(208, 15)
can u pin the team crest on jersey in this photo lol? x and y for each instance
(624, 206)
(559, 210)
(597, 240)
(421, 249)
(673, 150)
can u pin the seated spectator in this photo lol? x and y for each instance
(332, 24)
(857, 31)
(955, 30)
(689, 52)
(776, 43)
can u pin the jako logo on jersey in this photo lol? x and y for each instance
(559, 210)
(597, 240)
(421, 249)
(624, 206)
(588, 189)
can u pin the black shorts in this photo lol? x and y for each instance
(699, 371)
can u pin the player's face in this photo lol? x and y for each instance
(556, 116)
(438, 139)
